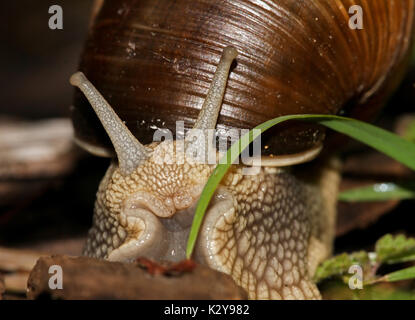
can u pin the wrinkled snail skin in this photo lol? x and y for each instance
(267, 231)
(159, 60)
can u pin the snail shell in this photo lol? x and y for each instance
(153, 60)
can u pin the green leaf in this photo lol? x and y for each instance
(382, 140)
(339, 265)
(395, 249)
(380, 192)
(404, 274)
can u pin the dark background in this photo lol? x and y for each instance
(36, 62)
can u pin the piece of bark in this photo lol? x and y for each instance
(17, 263)
(88, 278)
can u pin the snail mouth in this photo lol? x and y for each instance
(165, 239)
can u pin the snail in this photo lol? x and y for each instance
(222, 65)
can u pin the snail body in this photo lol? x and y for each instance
(152, 64)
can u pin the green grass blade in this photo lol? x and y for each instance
(379, 192)
(404, 274)
(382, 140)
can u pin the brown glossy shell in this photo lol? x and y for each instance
(153, 60)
